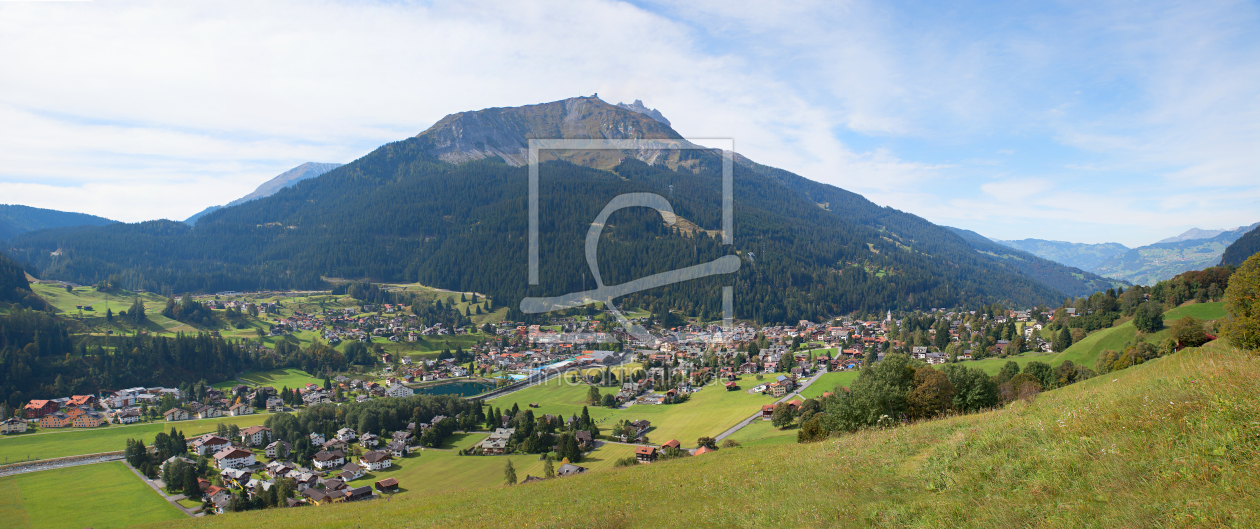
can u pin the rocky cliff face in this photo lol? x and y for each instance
(505, 132)
(640, 108)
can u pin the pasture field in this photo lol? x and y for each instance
(100, 495)
(63, 442)
(762, 433)
(708, 412)
(276, 378)
(828, 382)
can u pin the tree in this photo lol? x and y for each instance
(1149, 317)
(811, 431)
(1062, 340)
(709, 442)
(549, 471)
(191, 488)
(593, 397)
(782, 416)
(1009, 370)
(1188, 332)
(932, 395)
(1242, 304)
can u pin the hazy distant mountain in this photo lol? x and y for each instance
(1196, 233)
(1071, 280)
(16, 219)
(268, 188)
(1150, 264)
(640, 108)
(1246, 246)
(1080, 255)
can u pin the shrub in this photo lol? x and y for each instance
(1242, 302)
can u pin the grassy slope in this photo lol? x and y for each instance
(76, 441)
(277, 378)
(828, 382)
(708, 413)
(1166, 443)
(101, 495)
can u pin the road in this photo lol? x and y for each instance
(757, 415)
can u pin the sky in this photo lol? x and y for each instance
(1087, 121)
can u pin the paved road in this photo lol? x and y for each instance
(757, 415)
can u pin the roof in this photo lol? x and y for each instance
(232, 453)
(648, 450)
(387, 482)
(702, 450)
(254, 429)
(376, 456)
(672, 443)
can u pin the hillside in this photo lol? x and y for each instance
(1246, 246)
(288, 178)
(1147, 265)
(17, 219)
(447, 208)
(1079, 255)
(1068, 279)
(15, 287)
(1074, 457)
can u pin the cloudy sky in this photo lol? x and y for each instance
(1089, 122)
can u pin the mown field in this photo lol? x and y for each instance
(762, 433)
(101, 495)
(276, 378)
(62, 442)
(709, 412)
(829, 382)
(1168, 443)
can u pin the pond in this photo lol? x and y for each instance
(463, 389)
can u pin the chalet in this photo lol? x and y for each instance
(377, 460)
(766, 411)
(278, 449)
(280, 469)
(125, 416)
(496, 443)
(239, 409)
(89, 419)
(233, 458)
(317, 438)
(39, 408)
(305, 480)
(387, 485)
(334, 484)
(12, 425)
(335, 444)
(351, 472)
(209, 444)
(55, 419)
(645, 454)
(397, 449)
(584, 439)
(275, 404)
(358, 493)
(236, 477)
(641, 427)
(255, 435)
(672, 443)
(315, 496)
(209, 412)
(83, 400)
(347, 435)
(325, 460)
(368, 440)
(569, 469)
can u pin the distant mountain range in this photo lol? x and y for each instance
(448, 208)
(17, 219)
(288, 178)
(1195, 249)
(1243, 248)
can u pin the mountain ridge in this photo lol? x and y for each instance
(270, 187)
(1080, 255)
(16, 219)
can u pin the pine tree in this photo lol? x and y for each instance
(549, 471)
(509, 473)
(585, 422)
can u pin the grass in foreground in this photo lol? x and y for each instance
(100, 495)
(1169, 443)
(62, 442)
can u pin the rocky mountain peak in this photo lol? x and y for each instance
(639, 107)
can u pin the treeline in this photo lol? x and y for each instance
(540, 435)
(15, 289)
(393, 216)
(41, 359)
(899, 389)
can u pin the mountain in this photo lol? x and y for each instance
(650, 112)
(1147, 265)
(1079, 255)
(268, 188)
(16, 219)
(448, 208)
(15, 285)
(1196, 233)
(1246, 246)
(1071, 280)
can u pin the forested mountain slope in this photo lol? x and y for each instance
(448, 208)
(1246, 246)
(1071, 280)
(17, 219)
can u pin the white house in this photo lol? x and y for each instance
(240, 409)
(233, 458)
(377, 460)
(278, 449)
(317, 438)
(325, 460)
(209, 444)
(346, 434)
(399, 390)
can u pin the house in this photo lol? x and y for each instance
(325, 460)
(315, 496)
(39, 408)
(399, 390)
(584, 439)
(176, 414)
(397, 449)
(496, 443)
(766, 411)
(209, 444)
(280, 469)
(317, 438)
(83, 400)
(305, 480)
(255, 435)
(645, 454)
(358, 493)
(236, 477)
(336, 444)
(125, 416)
(233, 458)
(387, 485)
(351, 472)
(672, 443)
(776, 389)
(377, 460)
(278, 449)
(569, 469)
(209, 412)
(347, 435)
(702, 450)
(12, 425)
(368, 440)
(240, 408)
(55, 419)
(89, 419)
(641, 427)
(275, 404)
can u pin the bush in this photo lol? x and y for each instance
(626, 462)
(730, 443)
(1188, 332)
(1242, 302)
(1149, 317)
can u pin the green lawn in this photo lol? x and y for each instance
(77, 441)
(99, 495)
(828, 382)
(708, 413)
(1202, 311)
(277, 378)
(760, 433)
(433, 471)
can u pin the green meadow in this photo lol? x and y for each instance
(276, 378)
(63, 442)
(99, 496)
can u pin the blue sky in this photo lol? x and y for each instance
(1080, 121)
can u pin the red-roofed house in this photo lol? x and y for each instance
(39, 408)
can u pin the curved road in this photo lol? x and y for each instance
(757, 415)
